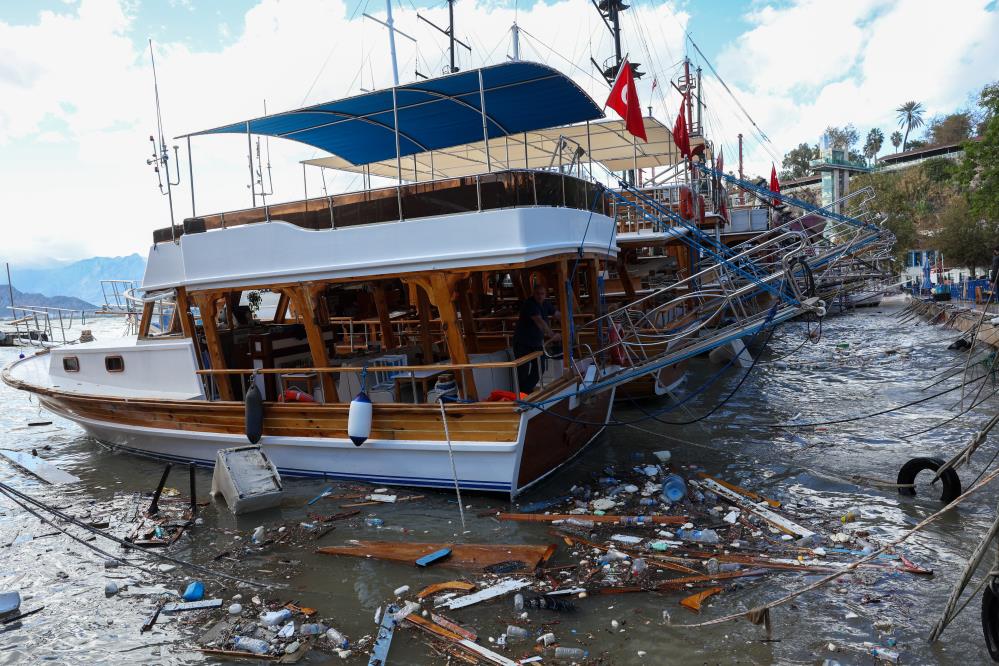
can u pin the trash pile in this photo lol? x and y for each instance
(647, 529)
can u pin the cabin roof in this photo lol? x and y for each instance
(432, 114)
(606, 141)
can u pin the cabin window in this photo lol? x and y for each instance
(70, 364)
(114, 363)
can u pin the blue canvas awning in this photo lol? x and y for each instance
(433, 114)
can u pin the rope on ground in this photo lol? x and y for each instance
(850, 567)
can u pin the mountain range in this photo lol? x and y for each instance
(25, 299)
(79, 280)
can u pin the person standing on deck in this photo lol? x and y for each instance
(994, 271)
(530, 334)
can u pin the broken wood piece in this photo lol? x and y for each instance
(434, 557)
(471, 556)
(151, 620)
(778, 521)
(498, 590)
(383, 639)
(39, 468)
(454, 626)
(192, 605)
(459, 641)
(236, 654)
(694, 601)
(681, 583)
(756, 497)
(621, 520)
(370, 501)
(459, 585)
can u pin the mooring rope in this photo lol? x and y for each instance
(454, 470)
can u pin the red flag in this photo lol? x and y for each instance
(624, 99)
(722, 194)
(720, 162)
(774, 183)
(680, 136)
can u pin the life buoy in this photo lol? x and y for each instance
(254, 407)
(296, 395)
(617, 347)
(910, 470)
(505, 396)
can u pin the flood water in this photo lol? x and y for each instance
(866, 361)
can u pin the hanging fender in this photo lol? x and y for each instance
(359, 419)
(254, 407)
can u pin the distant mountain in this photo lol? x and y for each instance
(23, 299)
(80, 279)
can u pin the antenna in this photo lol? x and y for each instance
(161, 154)
(449, 33)
(392, 30)
(610, 11)
(515, 38)
(264, 192)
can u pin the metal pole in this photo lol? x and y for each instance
(527, 163)
(515, 32)
(485, 126)
(700, 127)
(398, 151)
(194, 491)
(391, 32)
(190, 174)
(450, 32)
(249, 151)
(742, 196)
(10, 290)
(305, 187)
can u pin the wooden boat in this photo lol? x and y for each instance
(440, 249)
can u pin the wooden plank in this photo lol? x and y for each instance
(191, 605)
(423, 307)
(441, 285)
(778, 521)
(38, 467)
(434, 557)
(460, 585)
(632, 521)
(500, 589)
(384, 321)
(460, 640)
(568, 344)
(305, 304)
(467, 318)
(383, 639)
(756, 497)
(472, 556)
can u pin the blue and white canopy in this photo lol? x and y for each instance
(434, 114)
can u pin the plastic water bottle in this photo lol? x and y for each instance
(374, 522)
(648, 501)
(674, 488)
(337, 639)
(638, 566)
(517, 632)
(570, 653)
(547, 639)
(312, 629)
(247, 644)
(700, 536)
(276, 617)
(518, 601)
(578, 522)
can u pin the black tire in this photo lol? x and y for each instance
(910, 470)
(990, 619)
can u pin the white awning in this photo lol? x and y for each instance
(606, 141)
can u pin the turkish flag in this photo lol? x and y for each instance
(722, 194)
(680, 136)
(624, 99)
(774, 183)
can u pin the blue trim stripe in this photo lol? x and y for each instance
(424, 482)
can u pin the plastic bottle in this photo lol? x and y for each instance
(195, 591)
(337, 639)
(638, 566)
(882, 653)
(546, 603)
(700, 536)
(517, 632)
(547, 639)
(648, 501)
(312, 629)
(247, 644)
(570, 653)
(374, 522)
(607, 480)
(518, 601)
(674, 488)
(276, 617)
(578, 522)
(659, 546)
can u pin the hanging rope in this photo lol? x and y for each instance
(454, 470)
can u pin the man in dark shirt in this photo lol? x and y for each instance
(530, 334)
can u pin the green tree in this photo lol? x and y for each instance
(842, 138)
(795, 164)
(896, 139)
(964, 239)
(952, 128)
(875, 139)
(979, 170)
(910, 116)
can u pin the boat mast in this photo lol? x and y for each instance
(161, 154)
(515, 36)
(391, 31)
(449, 33)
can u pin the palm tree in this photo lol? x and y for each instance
(875, 139)
(896, 139)
(910, 116)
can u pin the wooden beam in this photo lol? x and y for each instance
(182, 310)
(281, 311)
(207, 305)
(568, 344)
(426, 337)
(622, 273)
(594, 275)
(304, 300)
(147, 318)
(385, 322)
(467, 318)
(441, 285)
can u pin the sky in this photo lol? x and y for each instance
(77, 105)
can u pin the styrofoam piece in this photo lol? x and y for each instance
(247, 479)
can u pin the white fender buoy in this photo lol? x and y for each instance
(359, 419)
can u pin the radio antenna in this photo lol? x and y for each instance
(161, 154)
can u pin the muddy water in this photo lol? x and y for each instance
(884, 363)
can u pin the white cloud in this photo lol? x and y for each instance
(812, 64)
